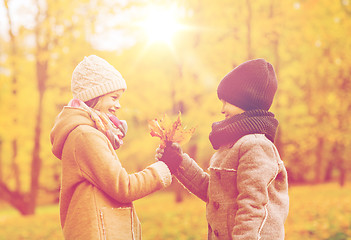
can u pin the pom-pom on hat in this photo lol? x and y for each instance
(94, 77)
(249, 86)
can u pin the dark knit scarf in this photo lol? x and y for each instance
(250, 122)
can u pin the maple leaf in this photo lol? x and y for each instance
(169, 131)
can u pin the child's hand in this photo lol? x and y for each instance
(171, 155)
(174, 146)
(159, 152)
(161, 149)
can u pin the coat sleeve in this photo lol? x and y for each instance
(99, 164)
(194, 178)
(257, 169)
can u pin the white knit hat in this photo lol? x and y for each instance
(94, 77)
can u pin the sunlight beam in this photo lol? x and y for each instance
(161, 24)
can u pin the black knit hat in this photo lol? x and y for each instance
(251, 85)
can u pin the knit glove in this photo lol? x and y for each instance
(172, 156)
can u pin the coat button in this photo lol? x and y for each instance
(216, 205)
(218, 174)
(216, 233)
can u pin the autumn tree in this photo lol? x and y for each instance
(311, 61)
(51, 30)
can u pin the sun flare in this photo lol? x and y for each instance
(161, 24)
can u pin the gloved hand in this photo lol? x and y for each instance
(171, 155)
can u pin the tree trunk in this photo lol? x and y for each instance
(328, 176)
(36, 160)
(16, 199)
(25, 203)
(13, 197)
(338, 149)
(342, 177)
(1, 164)
(319, 160)
(13, 52)
(41, 68)
(14, 165)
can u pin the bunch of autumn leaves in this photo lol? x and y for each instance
(169, 131)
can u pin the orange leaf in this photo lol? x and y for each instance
(155, 129)
(170, 132)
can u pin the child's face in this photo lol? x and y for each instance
(109, 103)
(230, 110)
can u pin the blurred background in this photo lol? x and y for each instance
(173, 54)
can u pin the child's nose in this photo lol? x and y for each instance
(222, 110)
(117, 105)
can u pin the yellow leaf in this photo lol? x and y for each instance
(169, 131)
(155, 128)
(183, 136)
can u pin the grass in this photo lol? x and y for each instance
(44, 225)
(319, 212)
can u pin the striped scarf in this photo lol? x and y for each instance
(232, 129)
(113, 128)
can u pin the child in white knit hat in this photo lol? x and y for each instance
(246, 187)
(96, 191)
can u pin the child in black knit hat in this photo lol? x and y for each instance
(245, 187)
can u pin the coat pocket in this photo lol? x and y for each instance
(223, 183)
(117, 223)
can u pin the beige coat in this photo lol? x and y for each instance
(246, 190)
(96, 191)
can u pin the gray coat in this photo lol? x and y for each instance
(245, 189)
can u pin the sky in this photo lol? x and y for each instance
(21, 12)
(155, 20)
